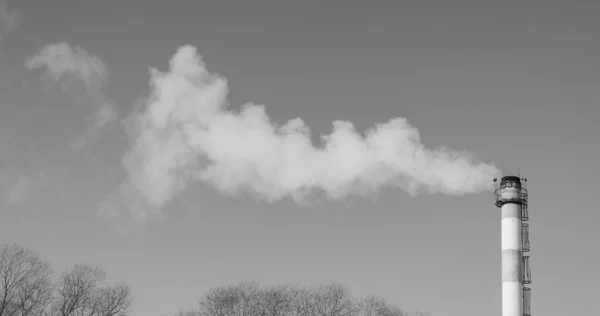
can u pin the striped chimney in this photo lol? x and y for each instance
(511, 198)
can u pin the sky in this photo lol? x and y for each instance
(162, 142)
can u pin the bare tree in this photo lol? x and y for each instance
(27, 289)
(111, 300)
(25, 282)
(232, 300)
(326, 299)
(333, 299)
(277, 301)
(188, 312)
(249, 294)
(81, 292)
(76, 289)
(302, 302)
(377, 306)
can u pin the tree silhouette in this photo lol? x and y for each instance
(27, 289)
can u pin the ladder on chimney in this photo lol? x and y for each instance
(525, 247)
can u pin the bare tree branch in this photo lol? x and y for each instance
(333, 299)
(233, 300)
(25, 281)
(326, 299)
(27, 289)
(303, 301)
(191, 312)
(76, 289)
(276, 301)
(112, 301)
(377, 306)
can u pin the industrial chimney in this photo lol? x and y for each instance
(511, 197)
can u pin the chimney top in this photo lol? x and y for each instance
(514, 180)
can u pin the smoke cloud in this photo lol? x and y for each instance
(186, 133)
(64, 63)
(73, 67)
(8, 19)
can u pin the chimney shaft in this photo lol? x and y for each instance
(511, 197)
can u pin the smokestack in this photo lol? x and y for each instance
(511, 198)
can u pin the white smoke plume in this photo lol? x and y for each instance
(8, 19)
(185, 133)
(72, 67)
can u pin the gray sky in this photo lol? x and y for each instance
(515, 84)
